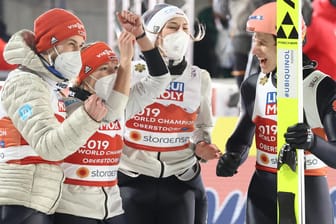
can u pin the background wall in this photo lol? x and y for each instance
(20, 14)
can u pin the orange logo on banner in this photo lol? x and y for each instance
(264, 158)
(135, 135)
(83, 172)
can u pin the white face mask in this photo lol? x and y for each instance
(175, 45)
(69, 64)
(104, 86)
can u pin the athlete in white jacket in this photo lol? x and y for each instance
(91, 194)
(34, 132)
(159, 176)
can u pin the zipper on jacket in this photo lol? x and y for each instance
(162, 166)
(105, 203)
(59, 193)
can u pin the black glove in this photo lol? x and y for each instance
(227, 164)
(287, 156)
(300, 136)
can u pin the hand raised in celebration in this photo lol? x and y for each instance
(131, 22)
(126, 42)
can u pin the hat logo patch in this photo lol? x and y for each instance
(156, 29)
(81, 33)
(53, 40)
(76, 25)
(256, 17)
(104, 53)
(87, 69)
(170, 10)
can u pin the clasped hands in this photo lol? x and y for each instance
(298, 136)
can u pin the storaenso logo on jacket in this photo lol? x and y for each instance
(174, 112)
(96, 162)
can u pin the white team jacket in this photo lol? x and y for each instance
(105, 202)
(37, 186)
(165, 164)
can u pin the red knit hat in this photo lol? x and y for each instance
(94, 56)
(54, 26)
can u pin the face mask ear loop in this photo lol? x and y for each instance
(89, 86)
(94, 78)
(56, 51)
(51, 62)
(162, 50)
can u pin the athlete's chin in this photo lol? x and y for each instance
(265, 70)
(263, 66)
(266, 67)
